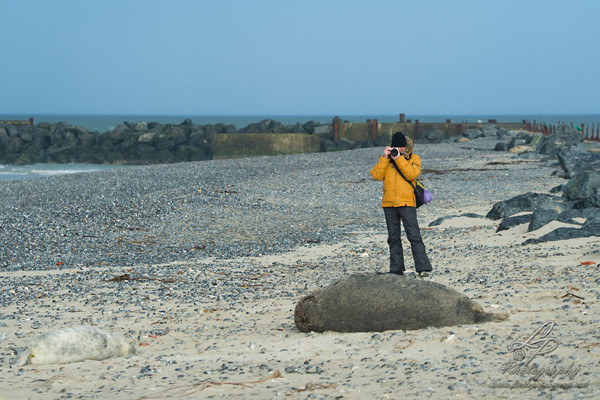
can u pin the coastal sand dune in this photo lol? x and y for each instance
(200, 266)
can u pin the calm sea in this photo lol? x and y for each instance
(103, 123)
(17, 172)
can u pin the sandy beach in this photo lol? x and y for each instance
(218, 253)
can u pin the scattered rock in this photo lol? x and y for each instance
(509, 222)
(569, 216)
(448, 217)
(584, 186)
(524, 203)
(562, 139)
(591, 228)
(435, 135)
(573, 162)
(540, 218)
(501, 146)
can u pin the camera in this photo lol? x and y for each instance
(394, 152)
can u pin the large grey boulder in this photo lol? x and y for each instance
(490, 130)
(570, 216)
(515, 220)
(375, 303)
(119, 134)
(573, 162)
(440, 220)
(563, 138)
(298, 128)
(473, 133)
(197, 138)
(310, 126)
(540, 218)
(327, 145)
(209, 133)
(588, 229)
(140, 126)
(265, 126)
(501, 146)
(584, 186)
(345, 144)
(435, 135)
(222, 128)
(324, 131)
(527, 202)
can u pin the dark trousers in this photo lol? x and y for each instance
(408, 216)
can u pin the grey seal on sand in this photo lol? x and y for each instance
(376, 303)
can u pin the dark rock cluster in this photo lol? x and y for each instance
(538, 210)
(128, 143)
(577, 202)
(579, 164)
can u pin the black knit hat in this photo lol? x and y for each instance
(398, 140)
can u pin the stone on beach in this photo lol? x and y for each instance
(574, 162)
(584, 186)
(375, 303)
(527, 202)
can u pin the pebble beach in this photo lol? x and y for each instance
(201, 264)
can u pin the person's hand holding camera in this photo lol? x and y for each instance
(393, 152)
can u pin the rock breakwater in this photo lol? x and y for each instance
(137, 143)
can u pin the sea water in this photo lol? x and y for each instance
(17, 172)
(103, 123)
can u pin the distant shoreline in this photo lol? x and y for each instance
(36, 171)
(29, 142)
(103, 123)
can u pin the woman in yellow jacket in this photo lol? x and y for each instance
(399, 203)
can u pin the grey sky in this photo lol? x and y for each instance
(230, 57)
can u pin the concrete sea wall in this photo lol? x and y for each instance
(239, 145)
(152, 143)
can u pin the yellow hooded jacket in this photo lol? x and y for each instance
(396, 191)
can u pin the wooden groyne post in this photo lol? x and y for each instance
(18, 122)
(595, 131)
(336, 129)
(543, 128)
(374, 132)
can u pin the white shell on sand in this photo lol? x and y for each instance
(74, 344)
